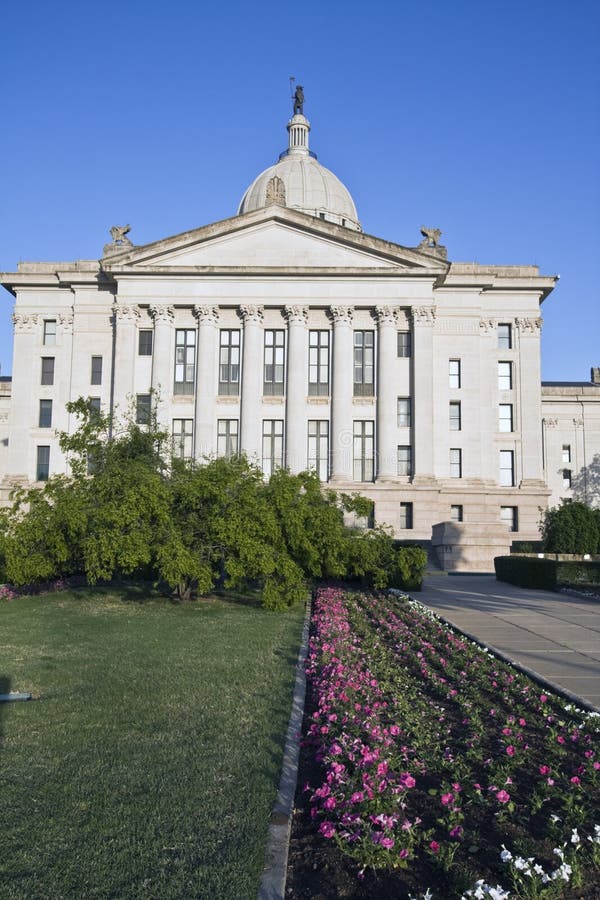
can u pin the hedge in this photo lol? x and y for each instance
(547, 574)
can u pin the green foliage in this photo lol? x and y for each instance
(411, 563)
(526, 571)
(572, 527)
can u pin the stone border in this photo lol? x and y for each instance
(272, 886)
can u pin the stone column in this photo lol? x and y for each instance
(488, 400)
(125, 323)
(162, 368)
(205, 441)
(297, 377)
(25, 389)
(252, 388)
(387, 468)
(422, 400)
(342, 393)
(530, 397)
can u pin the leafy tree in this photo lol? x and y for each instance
(572, 527)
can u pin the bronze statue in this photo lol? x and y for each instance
(299, 101)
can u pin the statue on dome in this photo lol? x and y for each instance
(298, 99)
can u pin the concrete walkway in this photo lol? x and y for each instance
(554, 635)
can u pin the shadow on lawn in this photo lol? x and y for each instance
(4, 689)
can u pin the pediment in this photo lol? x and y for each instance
(271, 238)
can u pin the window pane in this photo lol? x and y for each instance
(504, 376)
(318, 363)
(455, 462)
(405, 460)
(364, 363)
(456, 513)
(145, 342)
(406, 515)
(455, 421)
(404, 412)
(454, 373)
(43, 463)
(566, 453)
(49, 332)
(185, 359)
(183, 438)
(507, 472)
(318, 447)
(45, 417)
(404, 343)
(504, 337)
(509, 515)
(142, 409)
(274, 355)
(363, 451)
(505, 417)
(229, 361)
(96, 377)
(47, 370)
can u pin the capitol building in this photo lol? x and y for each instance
(287, 333)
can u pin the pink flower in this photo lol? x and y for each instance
(382, 768)
(407, 781)
(543, 698)
(434, 847)
(502, 797)
(357, 797)
(510, 750)
(447, 798)
(327, 829)
(560, 739)
(394, 730)
(387, 842)
(404, 853)
(456, 832)
(575, 780)
(544, 770)
(329, 803)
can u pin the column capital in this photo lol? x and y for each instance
(252, 315)
(423, 315)
(296, 315)
(162, 314)
(24, 322)
(207, 315)
(65, 320)
(122, 312)
(487, 325)
(342, 315)
(530, 326)
(387, 315)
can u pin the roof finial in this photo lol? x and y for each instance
(298, 99)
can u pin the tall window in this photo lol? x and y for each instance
(183, 438)
(455, 418)
(143, 408)
(566, 453)
(318, 363)
(404, 343)
(318, 447)
(227, 437)
(96, 376)
(405, 459)
(567, 479)
(185, 360)
(505, 417)
(403, 412)
(145, 342)
(274, 370)
(47, 370)
(455, 462)
(364, 451)
(454, 373)
(507, 468)
(364, 363)
(42, 469)
(456, 512)
(45, 417)
(406, 515)
(229, 361)
(505, 376)
(49, 332)
(510, 516)
(504, 337)
(94, 403)
(272, 445)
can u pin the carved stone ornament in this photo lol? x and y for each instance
(252, 315)
(126, 313)
(387, 315)
(120, 241)
(65, 319)
(207, 315)
(431, 237)
(162, 314)
(423, 315)
(529, 325)
(342, 315)
(487, 325)
(24, 322)
(578, 423)
(551, 423)
(275, 192)
(296, 315)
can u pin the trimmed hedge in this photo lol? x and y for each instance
(546, 574)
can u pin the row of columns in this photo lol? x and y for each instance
(343, 412)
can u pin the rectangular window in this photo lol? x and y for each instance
(364, 363)
(510, 516)
(455, 462)
(455, 418)
(42, 470)
(504, 337)
(405, 459)
(229, 361)
(406, 515)
(456, 513)
(403, 412)
(45, 417)
(183, 438)
(318, 447)
(507, 468)
(318, 363)
(505, 376)
(94, 403)
(143, 408)
(145, 342)
(454, 373)
(49, 332)
(566, 453)
(47, 370)
(96, 376)
(364, 451)
(567, 479)
(272, 445)
(227, 437)
(404, 344)
(185, 360)
(505, 417)
(274, 370)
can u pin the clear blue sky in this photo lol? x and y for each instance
(482, 118)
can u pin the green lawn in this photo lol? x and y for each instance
(148, 764)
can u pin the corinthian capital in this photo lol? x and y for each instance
(296, 315)
(423, 315)
(126, 313)
(207, 315)
(342, 315)
(24, 322)
(387, 315)
(252, 315)
(164, 314)
(530, 326)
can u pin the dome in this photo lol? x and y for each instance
(298, 181)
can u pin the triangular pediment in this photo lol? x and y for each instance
(270, 238)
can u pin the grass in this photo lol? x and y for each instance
(148, 762)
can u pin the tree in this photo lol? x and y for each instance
(572, 527)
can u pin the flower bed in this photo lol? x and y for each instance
(437, 761)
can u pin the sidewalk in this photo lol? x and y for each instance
(554, 635)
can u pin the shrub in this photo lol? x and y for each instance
(572, 527)
(411, 563)
(526, 571)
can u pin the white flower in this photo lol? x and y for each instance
(521, 864)
(575, 839)
(505, 855)
(558, 852)
(538, 869)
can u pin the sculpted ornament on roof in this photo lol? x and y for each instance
(120, 241)
(275, 192)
